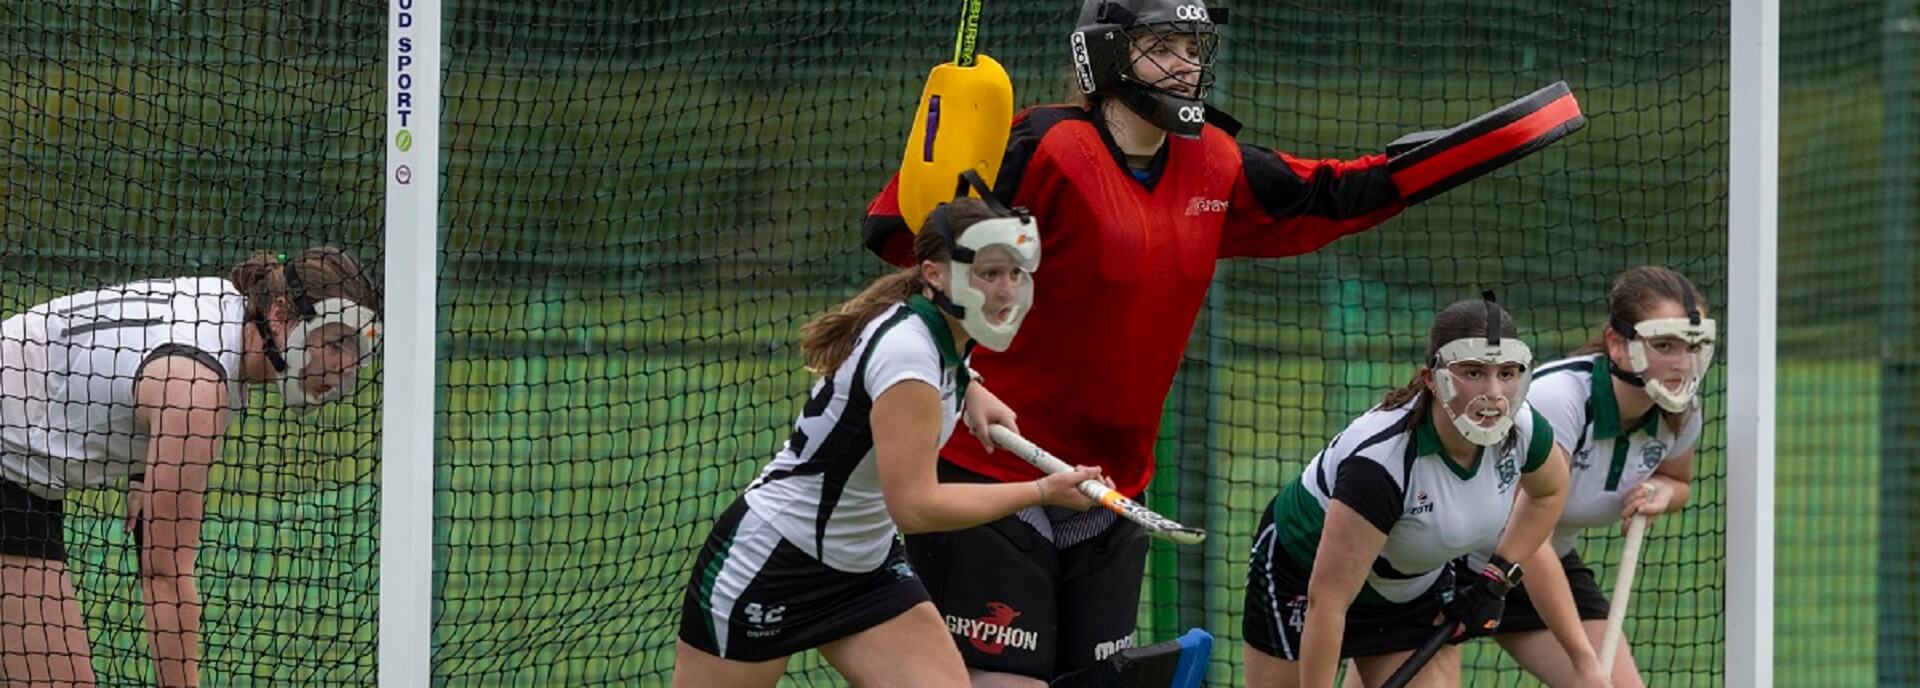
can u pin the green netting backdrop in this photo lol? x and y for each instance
(641, 202)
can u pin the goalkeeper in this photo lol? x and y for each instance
(1353, 558)
(808, 557)
(1143, 188)
(144, 379)
(1627, 404)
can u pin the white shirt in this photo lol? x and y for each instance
(1608, 458)
(822, 490)
(1431, 509)
(68, 368)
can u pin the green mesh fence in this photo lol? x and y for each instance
(646, 206)
(142, 140)
(641, 204)
(1848, 384)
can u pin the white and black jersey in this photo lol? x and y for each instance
(822, 490)
(1608, 455)
(68, 367)
(1389, 466)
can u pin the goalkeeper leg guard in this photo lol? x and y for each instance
(1178, 663)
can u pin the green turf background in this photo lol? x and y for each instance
(641, 203)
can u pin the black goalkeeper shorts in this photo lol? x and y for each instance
(1016, 603)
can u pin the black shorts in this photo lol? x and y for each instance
(753, 596)
(1015, 603)
(1276, 608)
(1587, 599)
(31, 526)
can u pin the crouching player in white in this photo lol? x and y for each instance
(809, 556)
(1354, 557)
(1625, 406)
(145, 379)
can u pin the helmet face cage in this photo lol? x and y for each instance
(1205, 38)
(1105, 65)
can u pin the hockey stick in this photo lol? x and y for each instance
(1622, 587)
(1413, 665)
(965, 41)
(962, 123)
(1155, 524)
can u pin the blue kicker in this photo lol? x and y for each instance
(1196, 647)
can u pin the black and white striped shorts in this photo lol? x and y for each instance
(754, 596)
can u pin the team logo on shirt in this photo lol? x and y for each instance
(994, 632)
(1652, 453)
(1583, 459)
(1421, 504)
(1509, 468)
(1198, 205)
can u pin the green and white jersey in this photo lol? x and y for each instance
(822, 490)
(1608, 457)
(68, 367)
(1392, 471)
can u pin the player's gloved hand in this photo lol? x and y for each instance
(1478, 608)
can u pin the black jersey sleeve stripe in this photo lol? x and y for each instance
(197, 354)
(108, 325)
(1023, 141)
(1389, 433)
(153, 300)
(1320, 467)
(1575, 364)
(1366, 488)
(850, 441)
(1289, 187)
(883, 231)
(846, 443)
(1385, 569)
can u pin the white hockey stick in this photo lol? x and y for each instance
(1622, 587)
(1155, 524)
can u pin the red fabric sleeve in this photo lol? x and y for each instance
(1286, 206)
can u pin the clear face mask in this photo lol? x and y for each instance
(1671, 357)
(325, 353)
(1480, 385)
(994, 287)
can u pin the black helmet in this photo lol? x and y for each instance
(1103, 57)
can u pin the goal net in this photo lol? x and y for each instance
(640, 203)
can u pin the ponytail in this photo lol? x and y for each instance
(826, 342)
(1410, 392)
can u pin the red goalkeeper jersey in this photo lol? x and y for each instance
(1126, 260)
